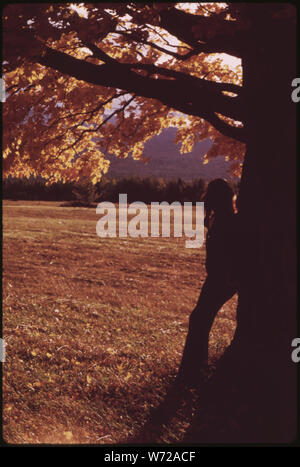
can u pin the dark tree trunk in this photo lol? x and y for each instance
(260, 354)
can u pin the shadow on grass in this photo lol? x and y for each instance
(231, 407)
(211, 413)
(177, 404)
(214, 412)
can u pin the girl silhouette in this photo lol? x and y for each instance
(221, 281)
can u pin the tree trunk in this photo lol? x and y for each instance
(260, 354)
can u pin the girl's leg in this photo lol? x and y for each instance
(213, 295)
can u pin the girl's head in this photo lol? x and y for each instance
(218, 196)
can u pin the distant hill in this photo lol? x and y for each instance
(167, 162)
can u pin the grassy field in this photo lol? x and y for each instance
(94, 327)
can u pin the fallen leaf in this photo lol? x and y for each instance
(89, 379)
(68, 435)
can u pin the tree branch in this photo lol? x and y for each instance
(153, 69)
(186, 93)
(88, 112)
(94, 129)
(183, 26)
(151, 44)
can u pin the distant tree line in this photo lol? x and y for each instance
(84, 193)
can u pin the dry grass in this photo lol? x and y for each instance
(95, 327)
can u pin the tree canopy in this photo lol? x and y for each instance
(84, 80)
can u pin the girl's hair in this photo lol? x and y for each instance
(218, 195)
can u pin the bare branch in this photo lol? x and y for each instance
(95, 129)
(151, 44)
(91, 113)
